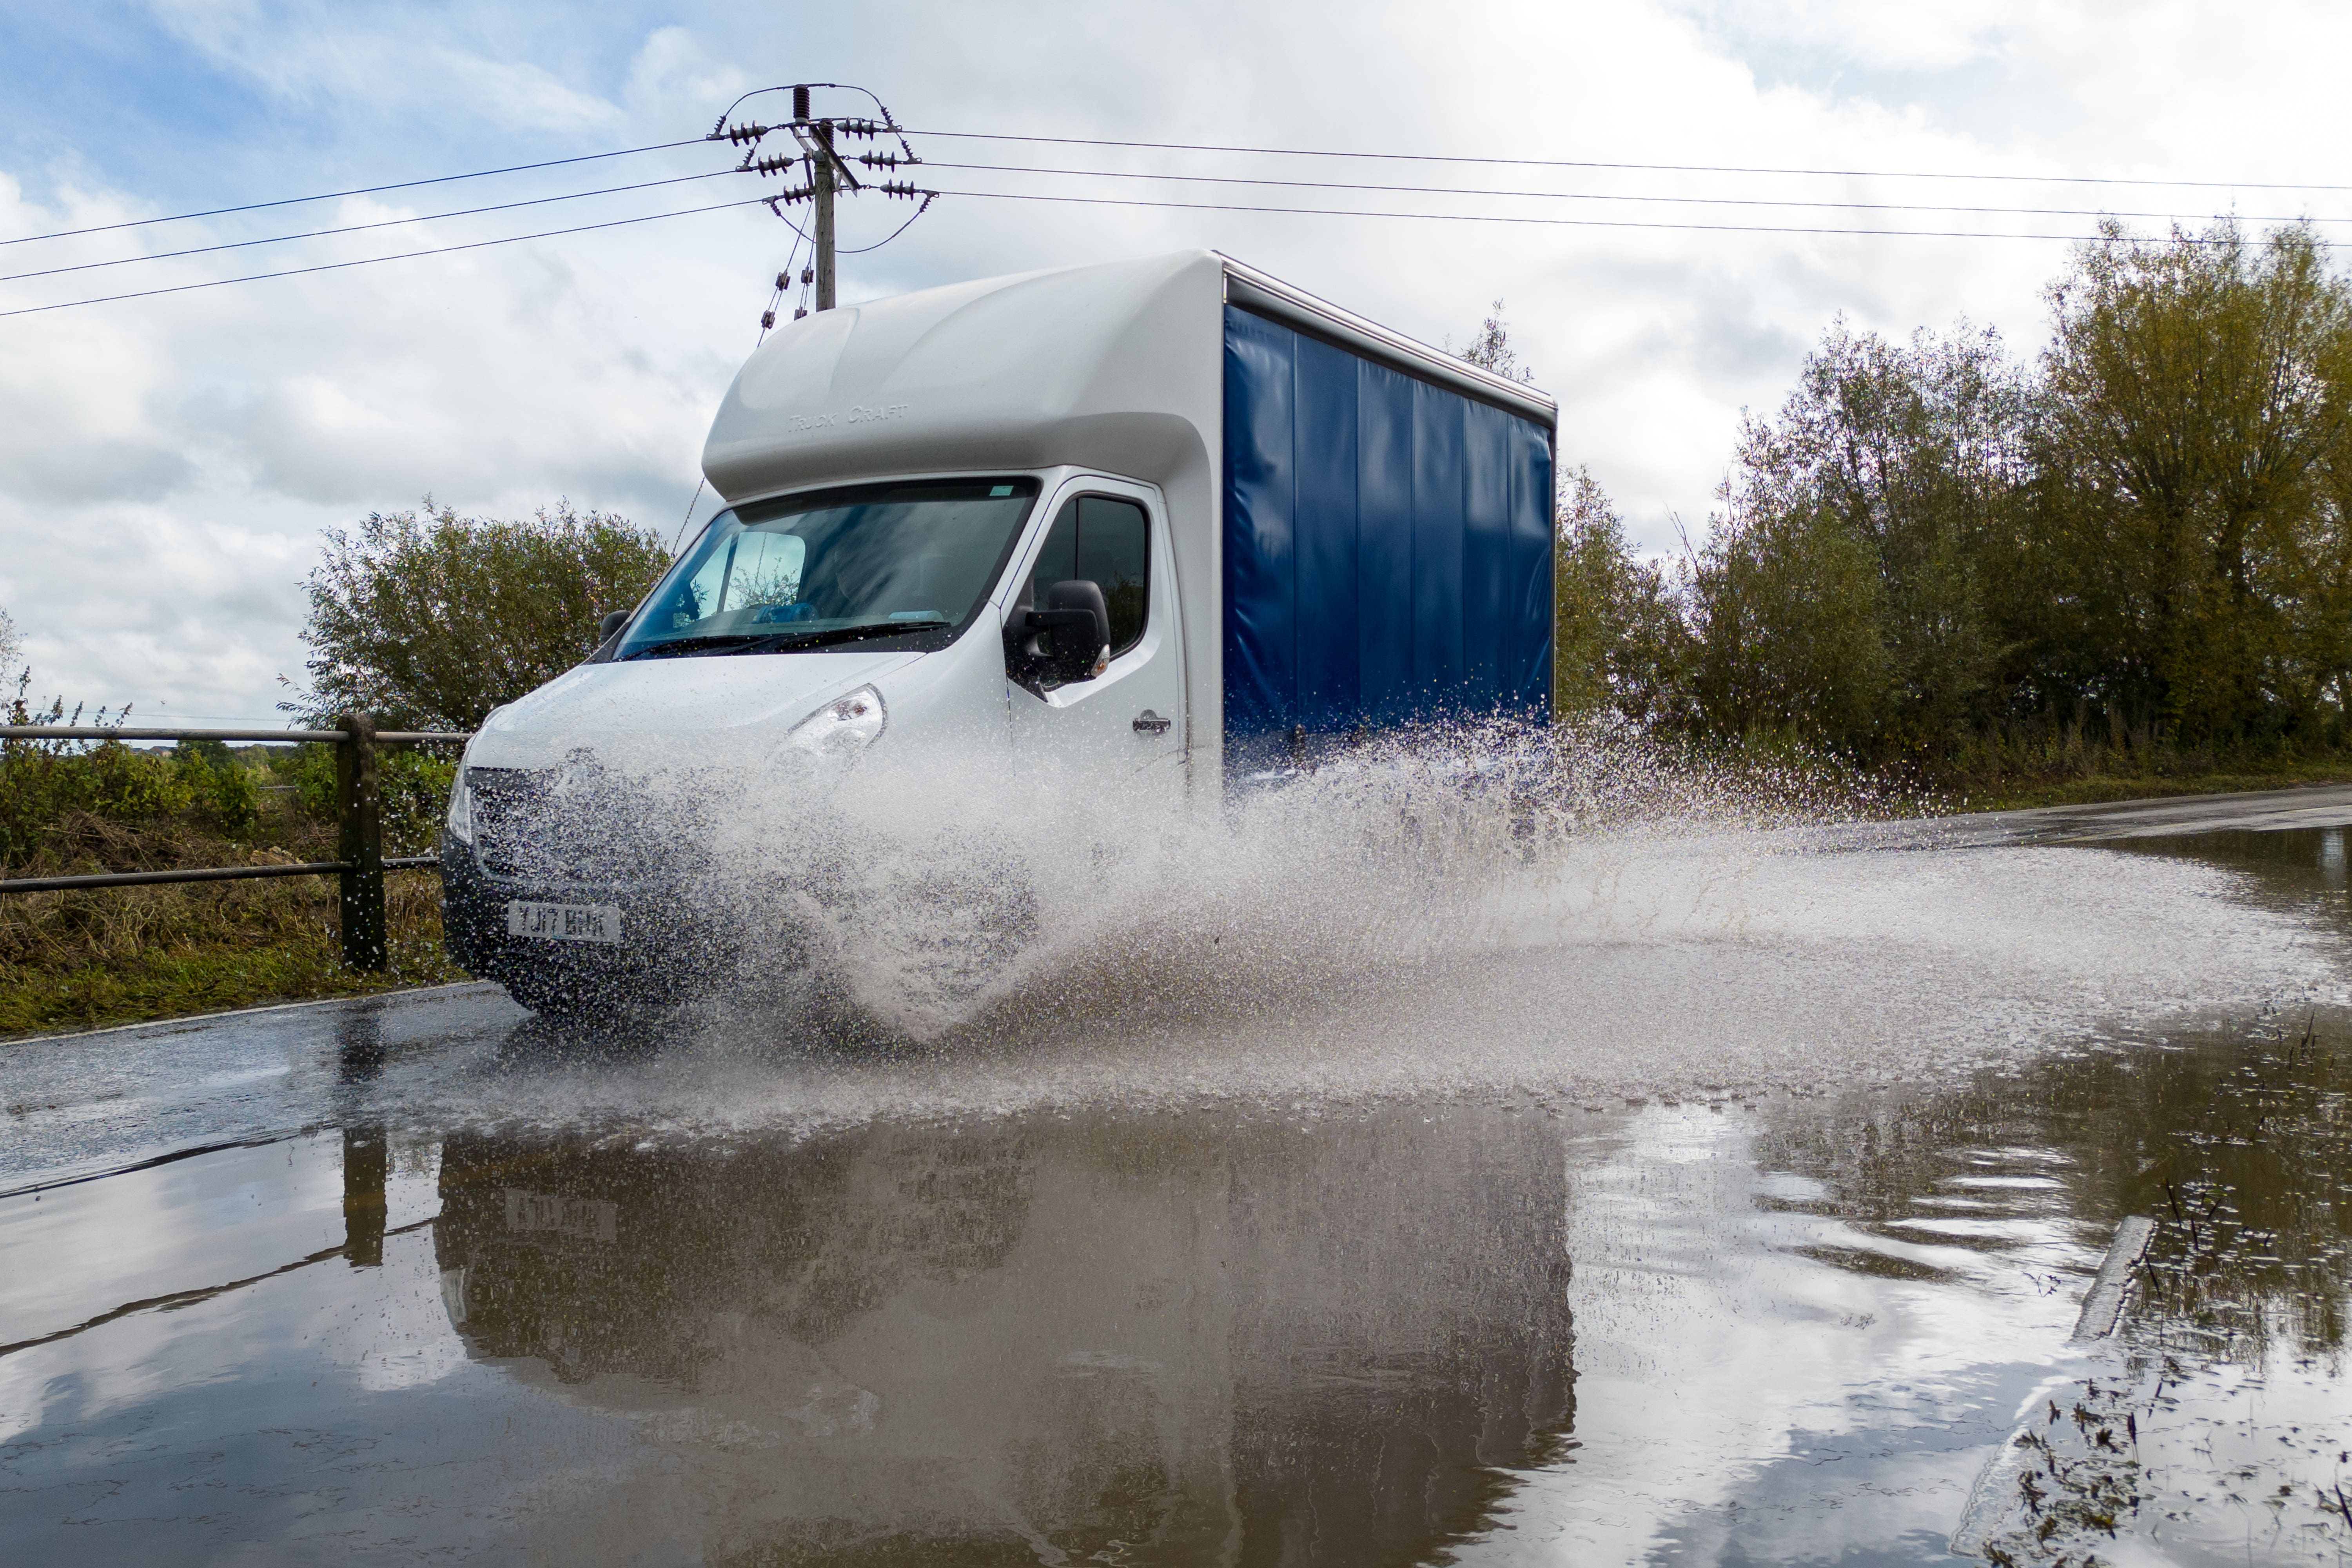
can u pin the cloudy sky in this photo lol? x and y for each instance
(167, 463)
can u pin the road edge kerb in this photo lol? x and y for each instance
(10, 1044)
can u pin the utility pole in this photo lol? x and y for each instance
(829, 176)
(821, 187)
(824, 183)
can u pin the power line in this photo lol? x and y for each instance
(358, 191)
(929, 197)
(364, 227)
(1120, 174)
(371, 261)
(1106, 201)
(1091, 201)
(1651, 168)
(1583, 196)
(1547, 222)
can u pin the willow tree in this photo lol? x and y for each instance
(1842, 593)
(1620, 643)
(2196, 438)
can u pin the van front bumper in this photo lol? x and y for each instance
(662, 955)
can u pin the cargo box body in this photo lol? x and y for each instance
(1386, 547)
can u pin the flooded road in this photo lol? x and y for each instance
(1746, 1207)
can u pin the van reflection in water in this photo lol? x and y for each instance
(1040, 1339)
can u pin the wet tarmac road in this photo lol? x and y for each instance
(421, 1278)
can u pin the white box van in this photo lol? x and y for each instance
(1171, 517)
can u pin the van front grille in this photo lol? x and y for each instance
(542, 827)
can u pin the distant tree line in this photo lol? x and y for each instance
(2137, 547)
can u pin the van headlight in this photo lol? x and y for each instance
(460, 823)
(842, 727)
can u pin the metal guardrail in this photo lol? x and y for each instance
(100, 732)
(358, 815)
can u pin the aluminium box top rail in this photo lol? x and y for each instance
(1113, 370)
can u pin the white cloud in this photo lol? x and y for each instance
(333, 55)
(1921, 36)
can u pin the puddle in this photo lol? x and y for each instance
(1803, 1322)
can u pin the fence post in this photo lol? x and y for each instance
(359, 812)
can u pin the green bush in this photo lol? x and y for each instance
(45, 782)
(231, 798)
(42, 782)
(431, 621)
(222, 789)
(413, 784)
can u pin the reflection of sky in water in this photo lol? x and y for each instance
(1755, 1367)
(1294, 1302)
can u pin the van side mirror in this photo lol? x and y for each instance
(1068, 640)
(612, 622)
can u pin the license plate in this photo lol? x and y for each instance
(564, 923)
(590, 1219)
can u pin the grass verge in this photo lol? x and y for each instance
(170, 952)
(124, 955)
(2103, 789)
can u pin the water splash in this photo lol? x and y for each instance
(933, 894)
(1490, 911)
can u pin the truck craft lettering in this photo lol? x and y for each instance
(1171, 524)
(858, 415)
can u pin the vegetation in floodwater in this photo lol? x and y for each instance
(2214, 1406)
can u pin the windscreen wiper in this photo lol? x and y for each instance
(785, 642)
(690, 645)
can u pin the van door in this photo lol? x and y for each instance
(1127, 724)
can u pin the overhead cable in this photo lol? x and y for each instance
(356, 191)
(1560, 222)
(1651, 168)
(1584, 196)
(929, 197)
(363, 227)
(371, 261)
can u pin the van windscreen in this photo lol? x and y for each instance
(905, 565)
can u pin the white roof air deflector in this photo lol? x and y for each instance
(1266, 296)
(1112, 366)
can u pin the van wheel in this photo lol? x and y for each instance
(941, 935)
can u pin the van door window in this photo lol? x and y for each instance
(1109, 541)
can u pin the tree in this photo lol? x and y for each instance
(1620, 642)
(434, 619)
(1492, 350)
(1914, 453)
(2196, 434)
(1788, 606)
